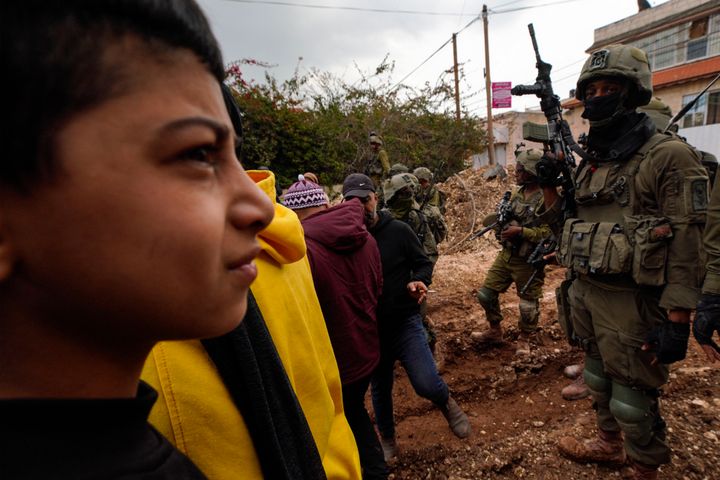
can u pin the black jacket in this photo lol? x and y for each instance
(403, 261)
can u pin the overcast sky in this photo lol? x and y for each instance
(335, 40)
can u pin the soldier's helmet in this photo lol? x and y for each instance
(398, 168)
(658, 112)
(397, 182)
(423, 173)
(529, 159)
(375, 138)
(619, 61)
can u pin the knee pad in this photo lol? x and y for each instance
(629, 405)
(595, 377)
(488, 298)
(633, 411)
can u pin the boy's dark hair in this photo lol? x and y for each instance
(54, 65)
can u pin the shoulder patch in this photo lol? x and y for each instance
(699, 192)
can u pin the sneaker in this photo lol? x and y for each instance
(389, 448)
(574, 371)
(607, 447)
(577, 390)
(456, 418)
(491, 337)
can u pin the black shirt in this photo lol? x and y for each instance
(83, 439)
(403, 260)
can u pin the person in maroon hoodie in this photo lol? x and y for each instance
(347, 274)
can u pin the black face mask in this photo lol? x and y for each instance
(600, 108)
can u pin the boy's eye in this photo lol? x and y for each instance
(204, 154)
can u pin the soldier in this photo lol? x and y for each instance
(398, 168)
(377, 164)
(519, 239)
(634, 249)
(707, 320)
(427, 194)
(431, 202)
(400, 198)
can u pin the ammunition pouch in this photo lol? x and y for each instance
(595, 248)
(650, 236)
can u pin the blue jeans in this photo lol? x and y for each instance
(405, 341)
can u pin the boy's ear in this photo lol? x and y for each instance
(7, 255)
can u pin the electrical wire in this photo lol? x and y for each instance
(353, 9)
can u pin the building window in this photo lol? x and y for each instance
(705, 112)
(682, 43)
(714, 36)
(698, 39)
(666, 48)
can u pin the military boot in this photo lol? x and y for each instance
(577, 390)
(491, 337)
(389, 447)
(607, 447)
(456, 418)
(522, 346)
(639, 471)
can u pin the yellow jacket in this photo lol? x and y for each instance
(195, 411)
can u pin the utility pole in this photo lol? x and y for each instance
(457, 81)
(488, 91)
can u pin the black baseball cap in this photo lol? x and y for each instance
(357, 185)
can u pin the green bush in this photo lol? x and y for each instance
(319, 123)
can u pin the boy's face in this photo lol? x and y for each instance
(148, 230)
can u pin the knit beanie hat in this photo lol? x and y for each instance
(304, 194)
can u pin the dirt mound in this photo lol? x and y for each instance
(470, 198)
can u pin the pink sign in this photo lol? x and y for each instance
(501, 97)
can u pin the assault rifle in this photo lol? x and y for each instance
(560, 141)
(537, 258)
(504, 216)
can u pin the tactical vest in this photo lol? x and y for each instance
(523, 211)
(373, 166)
(611, 235)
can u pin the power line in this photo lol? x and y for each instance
(406, 12)
(432, 54)
(354, 9)
(528, 7)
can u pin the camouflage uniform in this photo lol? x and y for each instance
(634, 249)
(408, 211)
(428, 197)
(377, 165)
(712, 243)
(510, 265)
(429, 200)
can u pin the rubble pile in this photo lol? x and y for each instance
(470, 197)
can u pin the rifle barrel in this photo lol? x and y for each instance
(531, 29)
(691, 104)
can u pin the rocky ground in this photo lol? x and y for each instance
(515, 407)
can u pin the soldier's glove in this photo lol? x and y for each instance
(707, 320)
(669, 341)
(547, 172)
